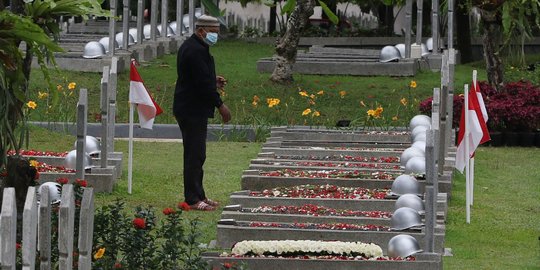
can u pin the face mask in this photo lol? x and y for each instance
(211, 38)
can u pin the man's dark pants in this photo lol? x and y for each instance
(194, 139)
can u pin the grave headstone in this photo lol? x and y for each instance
(30, 219)
(44, 229)
(431, 183)
(8, 234)
(104, 105)
(125, 25)
(191, 16)
(111, 88)
(435, 25)
(179, 18)
(86, 230)
(164, 18)
(82, 111)
(408, 26)
(153, 19)
(112, 27)
(450, 5)
(66, 224)
(140, 21)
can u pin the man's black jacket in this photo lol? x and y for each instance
(195, 95)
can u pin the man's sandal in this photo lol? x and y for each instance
(210, 202)
(202, 206)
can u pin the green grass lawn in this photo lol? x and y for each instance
(505, 223)
(236, 60)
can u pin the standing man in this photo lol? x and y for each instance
(195, 99)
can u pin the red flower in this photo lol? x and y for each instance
(139, 223)
(184, 206)
(81, 182)
(227, 265)
(167, 211)
(117, 265)
(3, 173)
(62, 181)
(18, 246)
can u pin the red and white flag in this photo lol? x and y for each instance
(477, 132)
(147, 108)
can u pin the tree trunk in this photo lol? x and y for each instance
(491, 23)
(463, 28)
(273, 14)
(20, 176)
(286, 47)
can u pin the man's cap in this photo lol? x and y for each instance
(205, 20)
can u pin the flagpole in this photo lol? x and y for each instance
(130, 147)
(471, 163)
(467, 156)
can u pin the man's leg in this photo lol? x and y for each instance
(194, 140)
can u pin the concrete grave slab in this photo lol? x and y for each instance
(422, 262)
(228, 235)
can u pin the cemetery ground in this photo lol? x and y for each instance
(504, 230)
(503, 233)
(236, 61)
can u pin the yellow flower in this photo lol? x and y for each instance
(395, 118)
(59, 87)
(42, 95)
(99, 253)
(312, 96)
(378, 111)
(362, 103)
(256, 100)
(316, 113)
(371, 112)
(312, 102)
(254, 103)
(303, 93)
(342, 93)
(72, 85)
(403, 101)
(412, 84)
(272, 102)
(34, 163)
(306, 111)
(320, 92)
(32, 105)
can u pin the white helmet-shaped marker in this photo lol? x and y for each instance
(410, 153)
(405, 218)
(120, 39)
(429, 44)
(105, 42)
(403, 245)
(93, 49)
(416, 165)
(388, 54)
(411, 201)
(417, 130)
(172, 25)
(425, 50)
(421, 145)
(54, 191)
(92, 145)
(133, 33)
(170, 31)
(405, 184)
(70, 161)
(420, 120)
(185, 19)
(401, 49)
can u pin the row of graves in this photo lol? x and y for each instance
(320, 198)
(93, 160)
(90, 45)
(67, 183)
(403, 59)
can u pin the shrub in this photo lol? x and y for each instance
(515, 108)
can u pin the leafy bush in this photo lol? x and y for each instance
(515, 108)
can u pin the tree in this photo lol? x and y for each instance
(287, 46)
(34, 23)
(503, 23)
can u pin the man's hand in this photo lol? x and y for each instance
(225, 113)
(220, 82)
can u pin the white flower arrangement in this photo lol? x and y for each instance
(306, 247)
